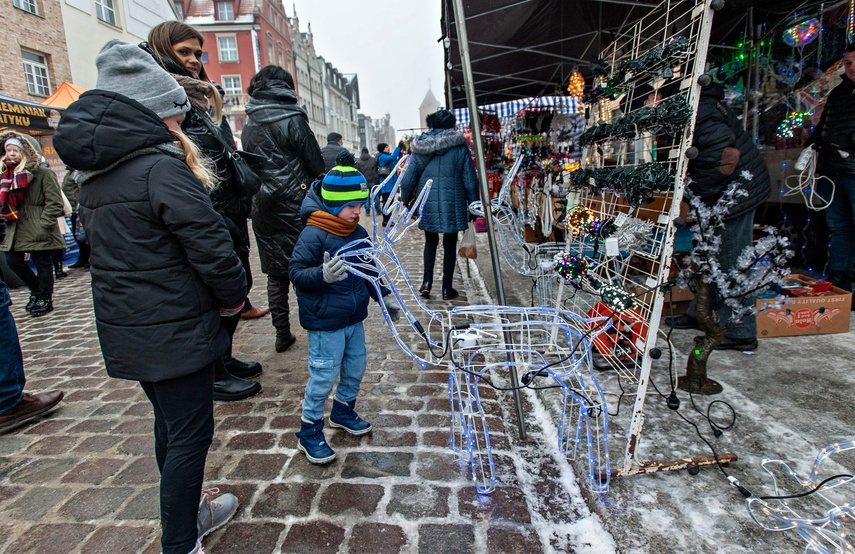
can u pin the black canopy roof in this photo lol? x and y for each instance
(522, 48)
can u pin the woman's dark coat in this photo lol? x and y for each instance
(326, 306)
(442, 155)
(717, 129)
(278, 129)
(162, 261)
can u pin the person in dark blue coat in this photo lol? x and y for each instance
(441, 154)
(163, 267)
(386, 161)
(332, 305)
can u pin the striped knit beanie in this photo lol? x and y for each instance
(343, 184)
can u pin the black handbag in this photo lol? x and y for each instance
(240, 163)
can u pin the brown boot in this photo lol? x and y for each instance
(30, 406)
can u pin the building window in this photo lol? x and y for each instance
(270, 59)
(228, 49)
(225, 11)
(280, 56)
(105, 12)
(36, 73)
(232, 85)
(27, 6)
(179, 8)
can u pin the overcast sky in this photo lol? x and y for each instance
(391, 46)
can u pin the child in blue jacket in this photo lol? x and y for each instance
(332, 305)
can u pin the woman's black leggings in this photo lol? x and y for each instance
(449, 256)
(42, 284)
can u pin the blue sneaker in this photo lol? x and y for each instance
(311, 442)
(344, 417)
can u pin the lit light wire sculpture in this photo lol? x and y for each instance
(816, 508)
(480, 343)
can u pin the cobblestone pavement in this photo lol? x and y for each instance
(84, 479)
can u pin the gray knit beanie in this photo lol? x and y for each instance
(129, 70)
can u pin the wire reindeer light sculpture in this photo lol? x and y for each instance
(480, 343)
(816, 508)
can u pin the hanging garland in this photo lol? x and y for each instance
(638, 183)
(669, 117)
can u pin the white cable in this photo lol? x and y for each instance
(808, 181)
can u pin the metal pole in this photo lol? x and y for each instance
(475, 125)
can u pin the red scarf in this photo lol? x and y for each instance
(12, 188)
(331, 223)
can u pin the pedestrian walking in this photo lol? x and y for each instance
(31, 202)
(332, 304)
(441, 154)
(163, 269)
(386, 161)
(332, 149)
(278, 129)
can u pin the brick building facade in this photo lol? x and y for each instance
(36, 56)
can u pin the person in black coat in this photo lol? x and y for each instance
(726, 153)
(834, 139)
(441, 154)
(332, 149)
(177, 47)
(163, 269)
(278, 129)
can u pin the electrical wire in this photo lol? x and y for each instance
(806, 182)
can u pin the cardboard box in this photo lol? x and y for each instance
(805, 315)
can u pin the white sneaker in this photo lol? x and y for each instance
(214, 513)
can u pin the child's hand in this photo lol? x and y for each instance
(333, 269)
(392, 307)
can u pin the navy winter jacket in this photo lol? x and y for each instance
(325, 306)
(442, 155)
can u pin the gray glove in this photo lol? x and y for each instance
(392, 307)
(333, 269)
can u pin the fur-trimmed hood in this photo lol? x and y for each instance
(438, 142)
(32, 149)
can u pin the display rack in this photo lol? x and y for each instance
(637, 148)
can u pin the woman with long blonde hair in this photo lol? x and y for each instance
(177, 47)
(162, 266)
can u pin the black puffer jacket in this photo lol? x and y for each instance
(442, 155)
(716, 129)
(330, 152)
(278, 129)
(162, 260)
(836, 131)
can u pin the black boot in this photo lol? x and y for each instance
(424, 290)
(284, 340)
(33, 297)
(41, 306)
(244, 370)
(228, 388)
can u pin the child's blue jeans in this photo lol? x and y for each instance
(334, 355)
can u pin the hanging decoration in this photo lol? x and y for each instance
(572, 268)
(576, 86)
(802, 34)
(792, 122)
(579, 218)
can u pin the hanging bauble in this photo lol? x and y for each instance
(576, 86)
(803, 33)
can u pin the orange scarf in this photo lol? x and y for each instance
(331, 223)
